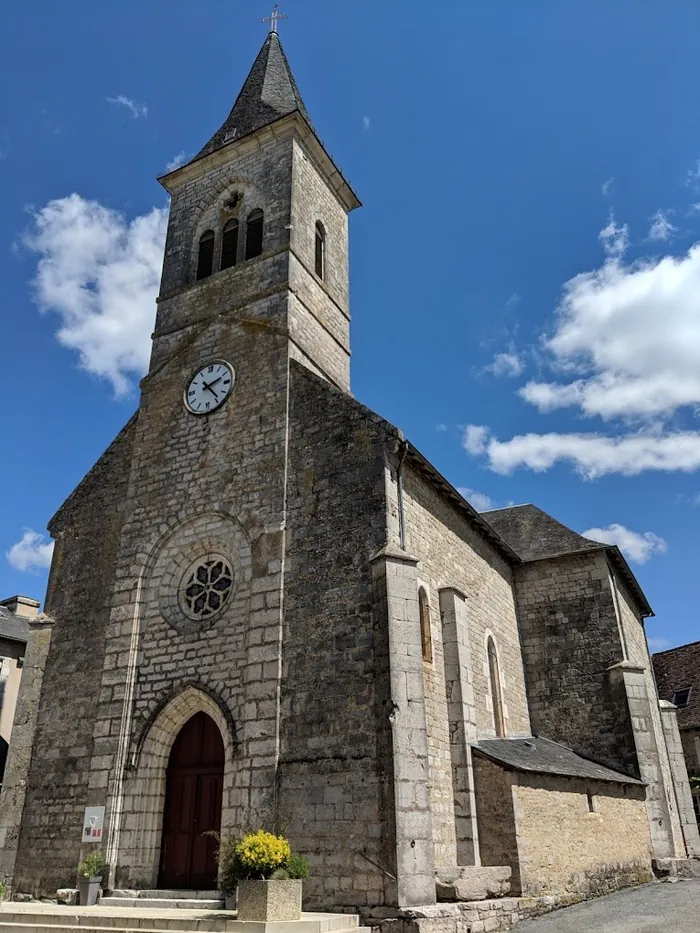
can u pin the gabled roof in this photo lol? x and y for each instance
(542, 756)
(269, 93)
(676, 669)
(535, 535)
(13, 627)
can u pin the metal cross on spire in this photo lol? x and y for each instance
(274, 18)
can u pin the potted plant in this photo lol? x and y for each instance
(90, 872)
(3, 891)
(266, 874)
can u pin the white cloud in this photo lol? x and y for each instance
(659, 644)
(615, 239)
(592, 455)
(508, 365)
(441, 428)
(693, 177)
(637, 547)
(631, 332)
(475, 439)
(179, 160)
(479, 500)
(135, 109)
(661, 227)
(366, 124)
(100, 273)
(606, 187)
(30, 552)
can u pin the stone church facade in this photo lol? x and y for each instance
(416, 694)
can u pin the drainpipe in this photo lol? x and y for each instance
(399, 484)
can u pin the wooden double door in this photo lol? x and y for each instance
(193, 795)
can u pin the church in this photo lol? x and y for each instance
(266, 608)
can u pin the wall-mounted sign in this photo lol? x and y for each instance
(93, 824)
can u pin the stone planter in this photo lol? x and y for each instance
(269, 900)
(89, 890)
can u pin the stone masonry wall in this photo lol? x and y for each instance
(679, 772)
(87, 532)
(124, 658)
(590, 853)
(452, 553)
(658, 774)
(19, 759)
(334, 787)
(319, 311)
(498, 843)
(570, 638)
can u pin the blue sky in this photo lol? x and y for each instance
(525, 286)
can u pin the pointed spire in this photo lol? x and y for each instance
(269, 93)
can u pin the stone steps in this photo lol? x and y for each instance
(59, 927)
(162, 903)
(164, 894)
(50, 918)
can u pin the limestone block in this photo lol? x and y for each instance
(68, 896)
(264, 901)
(473, 883)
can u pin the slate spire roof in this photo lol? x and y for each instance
(269, 93)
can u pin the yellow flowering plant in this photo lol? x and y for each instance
(258, 856)
(261, 853)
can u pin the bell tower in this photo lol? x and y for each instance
(258, 229)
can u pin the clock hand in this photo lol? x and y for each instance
(208, 385)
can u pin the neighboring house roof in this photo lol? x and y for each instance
(535, 535)
(676, 669)
(13, 627)
(542, 756)
(269, 93)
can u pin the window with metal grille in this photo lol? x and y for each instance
(205, 259)
(426, 637)
(495, 682)
(681, 697)
(229, 245)
(320, 251)
(254, 234)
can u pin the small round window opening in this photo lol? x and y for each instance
(206, 587)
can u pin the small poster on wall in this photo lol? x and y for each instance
(93, 824)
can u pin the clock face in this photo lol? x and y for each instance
(209, 387)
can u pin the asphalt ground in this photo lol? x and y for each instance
(651, 908)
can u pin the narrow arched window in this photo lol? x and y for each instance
(426, 638)
(496, 697)
(254, 234)
(205, 259)
(229, 245)
(320, 250)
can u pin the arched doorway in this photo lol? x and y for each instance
(193, 793)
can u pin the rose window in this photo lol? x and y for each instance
(205, 587)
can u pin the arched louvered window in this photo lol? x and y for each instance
(254, 234)
(426, 638)
(229, 245)
(205, 259)
(495, 683)
(320, 250)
